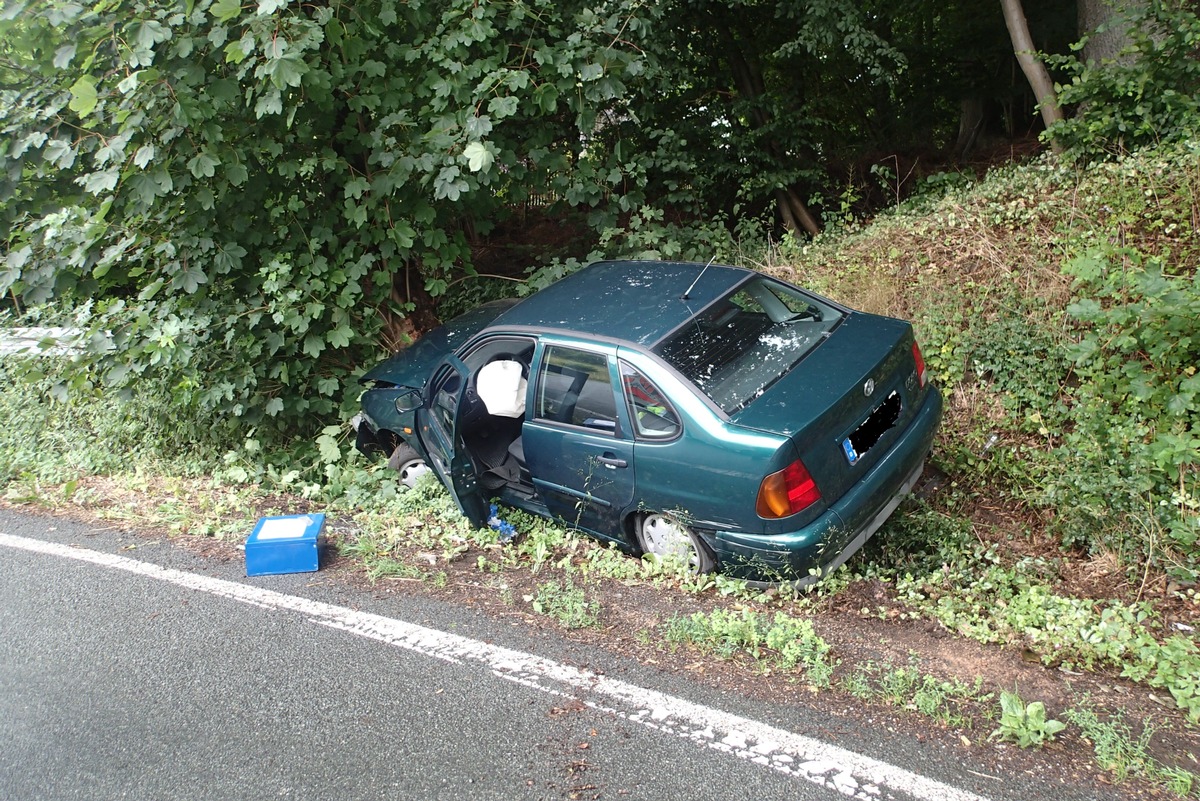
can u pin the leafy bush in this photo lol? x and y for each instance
(56, 438)
(1148, 94)
(1132, 456)
(250, 199)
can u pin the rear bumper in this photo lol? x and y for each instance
(806, 555)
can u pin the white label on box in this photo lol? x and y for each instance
(284, 528)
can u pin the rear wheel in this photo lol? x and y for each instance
(409, 464)
(666, 537)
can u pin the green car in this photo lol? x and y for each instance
(704, 412)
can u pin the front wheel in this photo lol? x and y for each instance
(667, 538)
(409, 464)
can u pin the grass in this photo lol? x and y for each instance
(1125, 755)
(782, 642)
(567, 603)
(951, 702)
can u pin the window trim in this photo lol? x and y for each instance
(631, 409)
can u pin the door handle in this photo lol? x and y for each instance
(612, 462)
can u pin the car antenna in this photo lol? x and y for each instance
(688, 291)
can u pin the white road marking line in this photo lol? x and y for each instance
(846, 772)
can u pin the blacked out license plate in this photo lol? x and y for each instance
(869, 432)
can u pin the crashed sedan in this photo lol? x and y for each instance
(709, 413)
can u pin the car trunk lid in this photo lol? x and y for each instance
(845, 402)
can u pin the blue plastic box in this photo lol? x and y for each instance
(284, 544)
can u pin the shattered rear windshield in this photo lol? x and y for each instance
(742, 344)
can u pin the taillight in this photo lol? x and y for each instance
(920, 360)
(787, 492)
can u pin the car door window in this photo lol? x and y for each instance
(574, 388)
(653, 417)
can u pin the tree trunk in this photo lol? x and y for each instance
(1105, 45)
(1031, 65)
(970, 123)
(801, 213)
(747, 76)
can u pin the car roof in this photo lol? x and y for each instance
(635, 301)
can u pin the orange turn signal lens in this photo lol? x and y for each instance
(787, 492)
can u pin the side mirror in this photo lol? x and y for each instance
(409, 399)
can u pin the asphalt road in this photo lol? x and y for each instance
(134, 669)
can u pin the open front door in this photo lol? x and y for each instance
(438, 426)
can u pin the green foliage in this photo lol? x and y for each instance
(994, 603)
(52, 438)
(1148, 94)
(786, 642)
(243, 197)
(1133, 454)
(567, 603)
(949, 701)
(920, 539)
(247, 200)
(1124, 755)
(1025, 724)
(1056, 309)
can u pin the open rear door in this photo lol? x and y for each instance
(438, 426)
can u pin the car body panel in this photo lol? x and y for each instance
(630, 301)
(583, 476)
(832, 375)
(410, 367)
(702, 474)
(822, 404)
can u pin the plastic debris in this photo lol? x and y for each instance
(508, 531)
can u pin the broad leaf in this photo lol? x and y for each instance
(225, 10)
(83, 95)
(479, 158)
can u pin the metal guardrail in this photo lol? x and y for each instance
(40, 341)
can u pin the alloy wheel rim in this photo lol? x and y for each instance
(666, 538)
(411, 471)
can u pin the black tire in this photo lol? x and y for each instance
(408, 463)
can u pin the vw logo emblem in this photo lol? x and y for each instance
(869, 387)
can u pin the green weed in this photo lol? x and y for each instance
(949, 701)
(1125, 755)
(995, 603)
(567, 603)
(1025, 724)
(782, 642)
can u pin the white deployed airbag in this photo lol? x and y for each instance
(501, 387)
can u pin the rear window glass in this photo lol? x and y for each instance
(739, 346)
